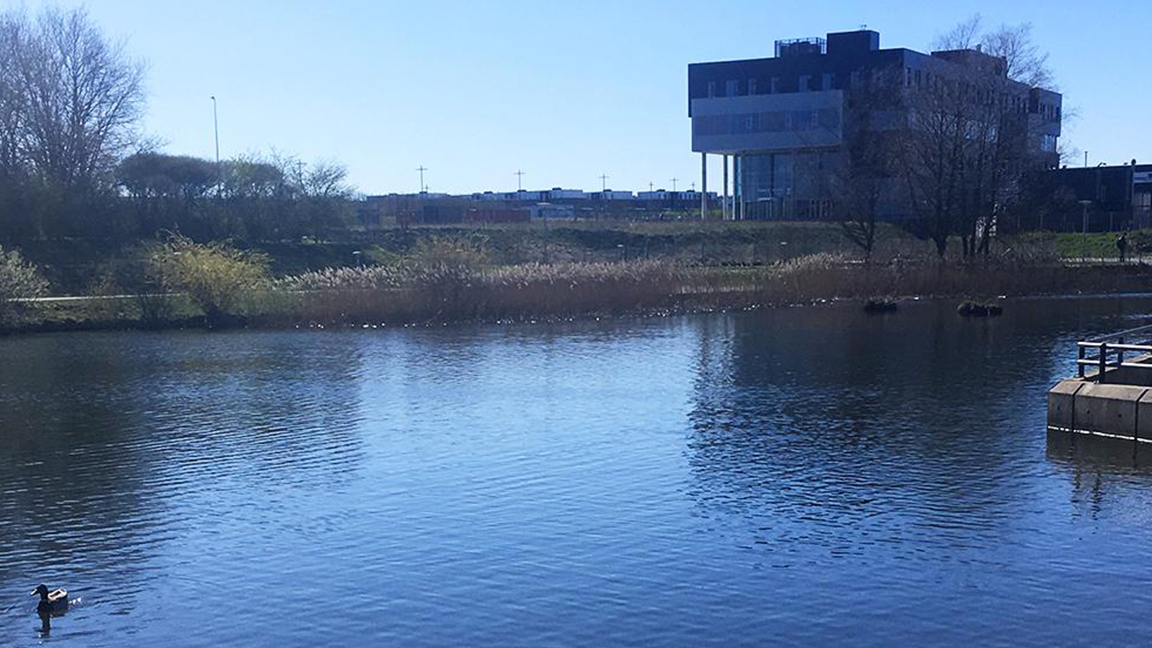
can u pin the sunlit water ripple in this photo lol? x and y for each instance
(796, 477)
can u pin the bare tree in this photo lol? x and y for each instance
(971, 131)
(326, 179)
(13, 108)
(964, 35)
(862, 174)
(80, 96)
(1024, 61)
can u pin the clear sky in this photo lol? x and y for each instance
(565, 91)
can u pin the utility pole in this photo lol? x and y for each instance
(603, 183)
(674, 184)
(422, 169)
(519, 177)
(651, 187)
(1085, 159)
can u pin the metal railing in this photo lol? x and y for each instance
(1108, 352)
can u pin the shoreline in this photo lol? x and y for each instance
(680, 305)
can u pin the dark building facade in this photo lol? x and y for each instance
(782, 121)
(1100, 198)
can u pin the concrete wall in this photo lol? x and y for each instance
(1082, 406)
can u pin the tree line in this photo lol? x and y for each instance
(75, 163)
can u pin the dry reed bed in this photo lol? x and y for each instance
(446, 292)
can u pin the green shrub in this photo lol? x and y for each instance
(215, 276)
(134, 273)
(19, 279)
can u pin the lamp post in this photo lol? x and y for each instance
(1084, 232)
(216, 136)
(216, 130)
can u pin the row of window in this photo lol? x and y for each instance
(766, 122)
(912, 78)
(805, 83)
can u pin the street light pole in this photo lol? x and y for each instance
(1084, 232)
(216, 131)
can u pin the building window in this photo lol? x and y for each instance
(827, 82)
(731, 88)
(804, 79)
(908, 79)
(774, 85)
(751, 86)
(854, 79)
(711, 89)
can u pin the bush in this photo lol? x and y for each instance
(215, 276)
(19, 279)
(134, 273)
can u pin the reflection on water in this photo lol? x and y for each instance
(802, 476)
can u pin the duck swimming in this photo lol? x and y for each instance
(51, 604)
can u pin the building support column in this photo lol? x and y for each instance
(703, 186)
(735, 187)
(737, 170)
(743, 195)
(725, 210)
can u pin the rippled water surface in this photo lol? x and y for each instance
(802, 477)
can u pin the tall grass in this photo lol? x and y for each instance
(435, 293)
(830, 277)
(438, 292)
(453, 280)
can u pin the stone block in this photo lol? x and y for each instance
(1144, 416)
(1109, 409)
(1060, 400)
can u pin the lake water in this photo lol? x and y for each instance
(793, 477)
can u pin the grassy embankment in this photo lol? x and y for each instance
(425, 275)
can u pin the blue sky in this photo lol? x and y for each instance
(565, 91)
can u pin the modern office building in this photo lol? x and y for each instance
(779, 123)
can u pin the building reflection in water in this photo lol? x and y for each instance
(825, 427)
(1099, 468)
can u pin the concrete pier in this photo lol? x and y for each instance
(1083, 407)
(1112, 395)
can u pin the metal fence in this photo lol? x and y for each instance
(1121, 350)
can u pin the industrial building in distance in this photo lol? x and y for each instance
(781, 124)
(522, 206)
(1095, 198)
